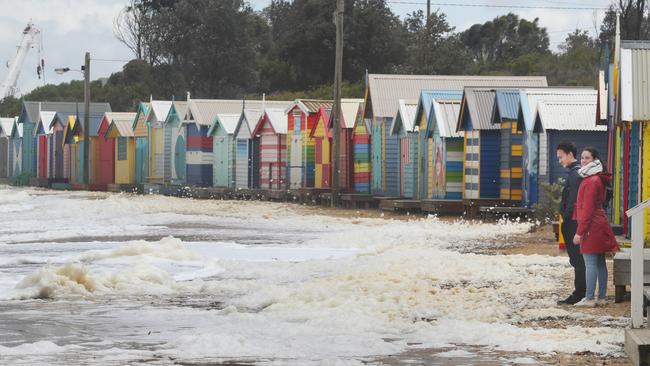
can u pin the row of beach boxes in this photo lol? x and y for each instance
(495, 141)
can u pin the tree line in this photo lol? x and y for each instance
(226, 49)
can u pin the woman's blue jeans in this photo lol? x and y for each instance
(596, 271)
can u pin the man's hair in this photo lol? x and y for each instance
(568, 147)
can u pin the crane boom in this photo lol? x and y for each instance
(31, 37)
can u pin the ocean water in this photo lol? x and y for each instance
(111, 279)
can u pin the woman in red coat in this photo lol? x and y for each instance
(594, 234)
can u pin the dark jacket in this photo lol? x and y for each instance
(570, 192)
(593, 227)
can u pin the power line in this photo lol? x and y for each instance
(499, 6)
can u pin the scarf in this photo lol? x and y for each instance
(590, 169)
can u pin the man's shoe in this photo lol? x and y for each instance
(568, 301)
(586, 303)
(601, 302)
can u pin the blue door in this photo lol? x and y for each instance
(141, 166)
(179, 158)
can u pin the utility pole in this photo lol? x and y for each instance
(428, 11)
(336, 109)
(86, 71)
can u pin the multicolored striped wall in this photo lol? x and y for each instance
(453, 168)
(199, 155)
(424, 156)
(361, 148)
(472, 164)
(511, 161)
(376, 144)
(301, 150)
(273, 157)
(322, 153)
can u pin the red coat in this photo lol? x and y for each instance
(593, 227)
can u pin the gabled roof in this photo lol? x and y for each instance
(158, 110)
(634, 81)
(507, 105)
(6, 125)
(119, 124)
(143, 108)
(32, 109)
(349, 110)
(203, 111)
(478, 104)
(180, 108)
(119, 128)
(385, 90)
(425, 102)
(567, 116)
(445, 115)
(16, 129)
(253, 110)
(278, 119)
(359, 119)
(405, 116)
(530, 97)
(309, 105)
(45, 121)
(71, 129)
(324, 114)
(227, 121)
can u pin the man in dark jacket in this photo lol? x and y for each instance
(566, 155)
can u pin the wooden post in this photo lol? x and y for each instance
(336, 121)
(86, 174)
(637, 259)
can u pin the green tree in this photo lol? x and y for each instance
(432, 47)
(212, 44)
(495, 43)
(304, 40)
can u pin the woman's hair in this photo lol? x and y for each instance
(595, 155)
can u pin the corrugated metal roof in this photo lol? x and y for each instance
(278, 119)
(349, 110)
(425, 102)
(386, 90)
(45, 121)
(309, 105)
(123, 127)
(530, 97)
(159, 109)
(122, 121)
(507, 105)
(6, 125)
(480, 103)
(63, 108)
(446, 112)
(405, 115)
(17, 128)
(568, 116)
(181, 108)
(227, 121)
(635, 81)
(204, 111)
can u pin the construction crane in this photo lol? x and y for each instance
(31, 39)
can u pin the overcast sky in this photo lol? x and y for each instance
(72, 27)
